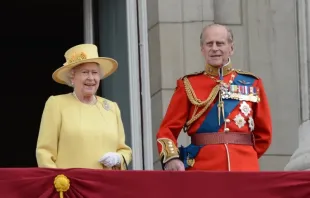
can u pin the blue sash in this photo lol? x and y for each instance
(211, 123)
(188, 152)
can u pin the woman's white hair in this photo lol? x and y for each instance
(70, 75)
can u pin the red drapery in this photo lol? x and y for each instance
(84, 183)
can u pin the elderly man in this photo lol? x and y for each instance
(225, 111)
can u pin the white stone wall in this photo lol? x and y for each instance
(266, 43)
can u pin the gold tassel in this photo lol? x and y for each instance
(223, 112)
(62, 184)
(219, 111)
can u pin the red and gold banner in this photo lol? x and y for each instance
(84, 183)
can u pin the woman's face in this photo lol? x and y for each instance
(86, 79)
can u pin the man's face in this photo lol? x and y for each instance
(215, 47)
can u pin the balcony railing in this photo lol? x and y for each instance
(85, 183)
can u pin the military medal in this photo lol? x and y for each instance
(251, 98)
(232, 91)
(246, 93)
(239, 120)
(254, 99)
(252, 95)
(240, 92)
(245, 108)
(243, 95)
(225, 94)
(251, 124)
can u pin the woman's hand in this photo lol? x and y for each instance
(111, 159)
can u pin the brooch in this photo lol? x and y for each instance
(106, 105)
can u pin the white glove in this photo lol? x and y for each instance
(111, 159)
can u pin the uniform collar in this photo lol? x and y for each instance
(215, 71)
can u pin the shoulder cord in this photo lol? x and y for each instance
(197, 102)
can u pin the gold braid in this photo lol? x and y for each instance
(197, 102)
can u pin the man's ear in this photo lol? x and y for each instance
(232, 49)
(201, 50)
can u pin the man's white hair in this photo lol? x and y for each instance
(230, 35)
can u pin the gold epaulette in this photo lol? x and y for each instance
(239, 71)
(169, 150)
(193, 74)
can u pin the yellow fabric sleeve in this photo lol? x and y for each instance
(124, 150)
(46, 151)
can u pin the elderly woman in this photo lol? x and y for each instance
(80, 129)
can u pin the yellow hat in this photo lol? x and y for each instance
(84, 53)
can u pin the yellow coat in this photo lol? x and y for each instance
(76, 135)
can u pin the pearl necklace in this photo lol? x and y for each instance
(92, 102)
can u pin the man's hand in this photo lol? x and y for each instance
(174, 165)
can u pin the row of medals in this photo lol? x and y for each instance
(226, 93)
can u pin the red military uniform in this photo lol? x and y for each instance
(219, 121)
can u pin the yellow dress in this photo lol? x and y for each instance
(76, 135)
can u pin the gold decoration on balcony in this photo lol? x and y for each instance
(62, 184)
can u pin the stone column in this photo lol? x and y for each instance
(300, 159)
(174, 30)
